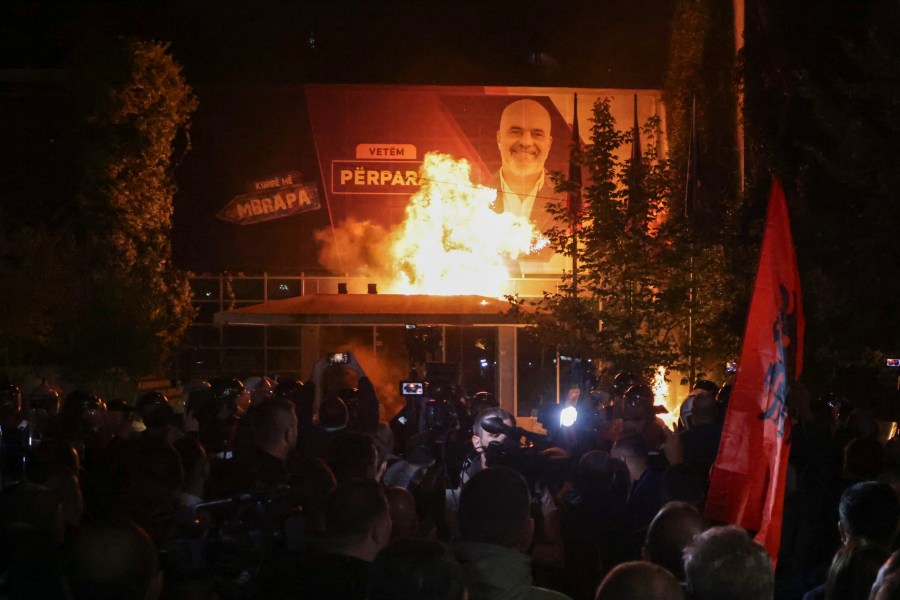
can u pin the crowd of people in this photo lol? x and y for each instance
(284, 489)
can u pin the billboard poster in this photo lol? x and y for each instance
(272, 198)
(372, 141)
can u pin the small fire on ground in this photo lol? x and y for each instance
(661, 398)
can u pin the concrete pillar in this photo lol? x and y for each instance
(507, 368)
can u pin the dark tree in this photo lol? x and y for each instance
(821, 106)
(135, 106)
(635, 256)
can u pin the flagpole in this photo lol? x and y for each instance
(690, 193)
(574, 258)
(574, 198)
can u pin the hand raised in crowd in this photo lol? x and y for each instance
(672, 448)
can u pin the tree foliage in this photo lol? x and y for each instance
(136, 105)
(635, 256)
(36, 290)
(91, 282)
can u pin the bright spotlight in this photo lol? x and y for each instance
(567, 416)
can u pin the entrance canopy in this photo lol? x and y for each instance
(372, 309)
(316, 313)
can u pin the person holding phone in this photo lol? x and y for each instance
(340, 374)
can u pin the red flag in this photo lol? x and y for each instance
(748, 478)
(573, 203)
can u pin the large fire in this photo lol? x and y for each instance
(452, 242)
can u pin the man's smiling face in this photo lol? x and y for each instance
(524, 138)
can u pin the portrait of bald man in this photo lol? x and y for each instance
(524, 187)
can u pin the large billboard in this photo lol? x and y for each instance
(316, 178)
(371, 142)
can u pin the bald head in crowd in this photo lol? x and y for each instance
(275, 427)
(723, 562)
(403, 512)
(114, 560)
(670, 532)
(639, 580)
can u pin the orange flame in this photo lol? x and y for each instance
(452, 241)
(661, 398)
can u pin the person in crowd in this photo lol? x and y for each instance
(723, 562)
(645, 498)
(496, 530)
(56, 465)
(809, 538)
(672, 529)
(482, 438)
(123, 419)
(385, 443)
(82, 422)
(218, 409)
(888, 568)
(703, 386)
(594, 532)
(352, 455)
(707, 386)
(347, 379)
(416, 569)
(477, 459)
(195, 467)
(684, 483)
(888, 590)
(419, 457)
(263, 464)
(260, 388)
(357, 527)
(639, 416)
(113, 559)
(863, 459)
(639, 580)
(41, 406)
(303, 400)
(32, 533)
(853, 570)
(333, 419)
(152, 478)
(403, 513)
(700, 442)
(868, 510)
(158, 417)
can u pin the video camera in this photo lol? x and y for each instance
(226, 540)
(530, 458)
